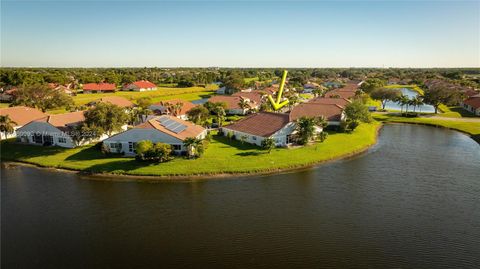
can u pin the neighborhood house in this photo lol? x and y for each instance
(21, 115)
(140, 86)
(472, 104)
(51, 130)
(116, 100)
(333, 113)
(177, 108)
(165, 129)
(257, 127)
(99, 87)
(233, 104)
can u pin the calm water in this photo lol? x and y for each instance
(411, 94)
(413, 201)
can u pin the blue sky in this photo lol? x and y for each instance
(240, 33)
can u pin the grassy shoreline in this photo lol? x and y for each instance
(222, 158)
(470, 128)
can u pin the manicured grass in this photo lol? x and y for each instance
(162, 93)
(248, 80)
(222, 156)
(472, 128)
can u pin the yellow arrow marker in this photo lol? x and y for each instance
(277, 104)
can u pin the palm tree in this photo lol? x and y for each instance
(292, 101)
(6, 125)
(403, 100)
(244, 104)
(417, 102)
(192, 144)
(220, 114)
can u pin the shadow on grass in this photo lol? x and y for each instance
(250, 153)
(118, 166)
(462, 112)
(88, 153)
(234, 143)
(11, 150)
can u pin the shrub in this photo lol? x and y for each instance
(147, 151)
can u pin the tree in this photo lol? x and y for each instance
(198, 115)
(322, 136)
(403, 100)
(441, 94)
(385, 95)
(147, 151)
(417, 102)
(357, 112)
(144, 102)
(143, 147)
(194, 146)
(244, 104)
(42, 97)
(108, 117)
(305, 129)
(268, 144)
(220, 114)
(372, 84)
(6, 125)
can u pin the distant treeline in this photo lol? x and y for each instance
(232, 77)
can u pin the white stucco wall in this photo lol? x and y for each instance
(26, 133)
(280, 136)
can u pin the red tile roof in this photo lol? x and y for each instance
(254, 96)
(231, 101)
(332, 112)
(99, 87)
(186, 106)
(330, 101)
(263, 124)
(144, 84)
(65, 119)
(117, 100)
(473, 102)
(22, 114)
(192, 129)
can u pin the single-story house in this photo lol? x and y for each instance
(253, 96)
(233, 104)
(170, 108)
(99, 87)
(7, 94)
(332, 112)
(330, 101)
(259, 126)
(115, 100)
(51, 130)
(165, 129)
(140, 86)
(472, 104)
(21, 115)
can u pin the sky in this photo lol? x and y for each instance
(288, 33)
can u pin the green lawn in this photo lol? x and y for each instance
(222, 156)
(248, 80)
(472, 128)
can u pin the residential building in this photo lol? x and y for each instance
(115, 100)
(259, 126)
(51, 130)
(21, 115)
(99, 87)
(140, 86)
(472, 104)
(233, 104)
(165, 129)
(177, 108)
(333, 113)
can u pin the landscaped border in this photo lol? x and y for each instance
(255, 162)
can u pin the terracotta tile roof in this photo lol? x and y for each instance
(99, 87)
(254, 96)
(263, 124)
(186, 106)
(332, 112)
(21, 114)
(144, 84)
(192, 130)
(65, 119)
(330, 101)
(231, 101)
(473, 102)
(340, 94)
(117, 100)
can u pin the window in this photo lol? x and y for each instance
(254, 138)
(177, 147)
(62, 140)
(131, 146)
(116, 146)
(37, 138)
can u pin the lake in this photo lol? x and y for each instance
(411, 201)
(411, 94)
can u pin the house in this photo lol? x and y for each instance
(257, 127)
(140, 86)
(253, 96)
(346, 92)
(51, 130)
(178, 108)
(330, 101)
(61, 88)
(332, 112)
(233, 104)
(99, 87)
(21, 115)
(472, 104)
(116, 100)
(165, 129)
(7, 95)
